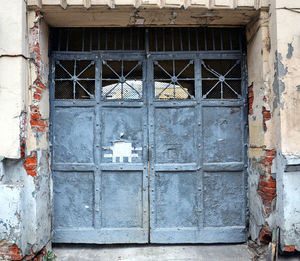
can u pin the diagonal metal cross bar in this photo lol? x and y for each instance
(239, 96)
(191, 96)
(157, 96)
(104, 62)
(109, 92)
(92, 63)
(156, 63)
(133, 89)
(211, 89)
(236, 63)
(191, 62)
(139, 63)
(64, 69)
(91, 95)
(210, 69)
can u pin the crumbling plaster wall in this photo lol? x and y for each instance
(258, 49)
(12, 63)
(286, 108)
(274, 124)
(25, 182)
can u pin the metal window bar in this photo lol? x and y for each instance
(172, 31)
(123, 40)
(99, 35)
(91, 40)
(221, 39)
(213, 40)
(197, 39)
(205, 40)
(189, 39)
(163, 39)
(106, 39)
(138, 39)
(59, 39)
(130, 40)
(67, 42)
(83, 38)
(230, 40)
(156, 43)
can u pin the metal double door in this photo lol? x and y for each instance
(147, 158)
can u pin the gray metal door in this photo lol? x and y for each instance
(100, 161)
(148, 147)
(197, 171)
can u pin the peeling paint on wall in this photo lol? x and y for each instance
(290, 51)
(278, 84)
(25, 182)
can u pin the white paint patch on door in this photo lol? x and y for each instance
(121, 150)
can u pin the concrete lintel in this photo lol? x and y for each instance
(224, 4)
(153, 16)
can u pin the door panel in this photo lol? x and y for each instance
(176, 201)
(122, 199)
(73, 135)
(148, 149)
(174, 174)
(223, 201)
(100, 153)
(78, 207)
(122, 139)
(222, 134)
(174, 135)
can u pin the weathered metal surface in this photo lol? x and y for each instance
(142, 168)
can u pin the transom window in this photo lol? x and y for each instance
(175, 77)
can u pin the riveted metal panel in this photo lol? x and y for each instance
(158, 156)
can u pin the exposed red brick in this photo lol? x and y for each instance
(267, 184)
(271, 153)
(267, 190)
(34, 109)
(250, 99)
(35, 116)
(36, 96)
(10, 252)
(30, 164)
(290, 248)
(265, 235)
(23, 146)
(36, 256)
(39, 83)
(36, 122)
(38, 91)
(40, 129)
(266, 116)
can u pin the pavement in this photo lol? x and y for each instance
(216, 252)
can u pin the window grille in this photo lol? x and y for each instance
(149, 39)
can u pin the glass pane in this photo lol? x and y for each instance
(74, 79)
(221, 79)
(85, 89)
(174, 79)
(63, 89)
(122, 80)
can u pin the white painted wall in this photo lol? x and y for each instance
(13, 74)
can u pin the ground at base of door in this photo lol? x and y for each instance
(217, 252)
